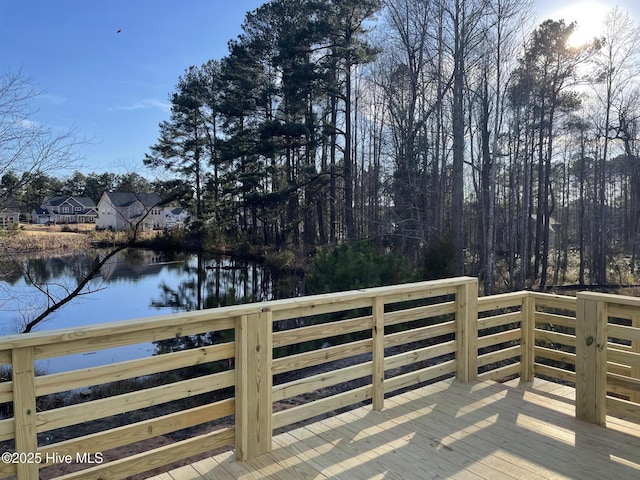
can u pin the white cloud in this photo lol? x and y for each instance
(146, 104)
(28, 124)
(53, 99)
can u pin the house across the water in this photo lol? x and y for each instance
(9, 211)
(121, 210)
(65, 209)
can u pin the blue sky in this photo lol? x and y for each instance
(113, 87)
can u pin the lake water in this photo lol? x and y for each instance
(135, 284)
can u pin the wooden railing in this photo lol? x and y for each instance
(274, 364)
(312, 354)
(607, 357)
(591, 342)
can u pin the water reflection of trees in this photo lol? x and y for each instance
(221, 281)
(29, 283)
(129, 265)
(218, 282)
(193, 282)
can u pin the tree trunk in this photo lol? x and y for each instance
(457, 179)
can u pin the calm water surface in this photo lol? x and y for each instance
(135, 284)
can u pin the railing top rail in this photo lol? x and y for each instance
(515, 296)
(610, 298)
(161, 321)
(543, 295)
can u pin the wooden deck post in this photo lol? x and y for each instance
(635, 348)
(254, 380)
(467, 331)
(591, 358)
(378, 353)
(528, 325)
(24, 408)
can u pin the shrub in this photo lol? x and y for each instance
(437, 259)
(352, 266)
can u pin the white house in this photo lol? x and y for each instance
(121, 210)
(41, 216)
(175, 217)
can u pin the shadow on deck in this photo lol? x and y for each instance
(483, 430)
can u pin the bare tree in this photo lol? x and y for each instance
(63, 294)
(28, 148)
(504, 20)
(466, 28)
(617, 65)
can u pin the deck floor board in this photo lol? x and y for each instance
(479, 431)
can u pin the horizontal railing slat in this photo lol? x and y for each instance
(624, 382)
(140, 330)
(502, 372)
(419, 355)
(318, 407)
(118, 339)
(419, 334)
(84, 412)
(419, 376)
(623, 408)
(321, 331)
(499, 320)
(144, 430)
(419, 313)
(625, 358)
(60, 382)
(150, 459)
(556, 355)
(319, 381)
(501, 301)
(318, 357)
(498, 338)
(560, 302)
(622, 311)
(622, 332)
(555, 337)
(499, 355)
(554, 372)
(7, 429)
(555, 319)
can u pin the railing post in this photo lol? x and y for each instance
(378, 353)
(591, 358)
(254, 379)
(528, 326)
(635, 348)
(24, 410)
(467, 331)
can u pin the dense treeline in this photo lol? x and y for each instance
(431, 128)
(32, 192)
(414, 124)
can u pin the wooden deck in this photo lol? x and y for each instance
(484, 430)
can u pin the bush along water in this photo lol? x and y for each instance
(350, 266)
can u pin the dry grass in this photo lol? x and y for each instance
(40, 238)
(618, 273)
(43, 239)
(71, 228)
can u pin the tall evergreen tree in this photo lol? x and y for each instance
(181, 147)
(349, 47)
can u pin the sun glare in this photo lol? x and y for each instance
(589, 17)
